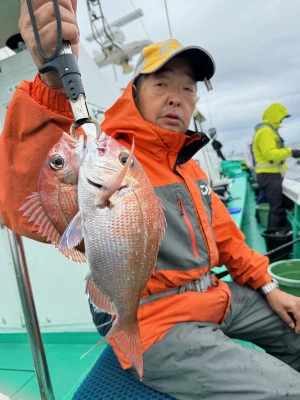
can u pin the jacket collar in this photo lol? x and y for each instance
(123, 120)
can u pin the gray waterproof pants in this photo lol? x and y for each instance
(201, 361)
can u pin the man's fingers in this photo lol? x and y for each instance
(45, 17)
(287, 318)
(287, 307)
(46, 21)
(295, 316)
(70, 5)
(292, 320)
(297, 328)
(69, 32)
(46, 14)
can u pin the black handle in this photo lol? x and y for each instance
(68, 70)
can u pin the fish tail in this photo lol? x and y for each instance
(129, 343)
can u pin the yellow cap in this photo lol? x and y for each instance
(156, 55)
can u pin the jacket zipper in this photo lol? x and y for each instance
(190, 228)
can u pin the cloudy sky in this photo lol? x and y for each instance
(256, 47)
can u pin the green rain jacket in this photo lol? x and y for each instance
(268, 150)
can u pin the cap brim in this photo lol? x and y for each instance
(201, 61)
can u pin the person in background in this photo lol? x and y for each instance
(250, 163)
(216, 144)
(270, 154)
(249, 160)
(187, 317)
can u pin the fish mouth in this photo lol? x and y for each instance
(97, 175)
(97, 185)
(100, 186)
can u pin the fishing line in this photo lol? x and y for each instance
(105, 323)
(57, 50)
(108, 32)
(169, 25)
(224, 273)
(141, 22)
(207, 107)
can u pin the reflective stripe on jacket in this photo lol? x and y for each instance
(200, 232)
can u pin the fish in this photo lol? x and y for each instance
(55, 203)
(122, 223)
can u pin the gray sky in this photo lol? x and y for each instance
(256, 47)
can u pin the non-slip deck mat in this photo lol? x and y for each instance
(108, 381)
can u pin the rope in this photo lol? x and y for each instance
(57, 50)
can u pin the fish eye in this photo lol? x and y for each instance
(56, 161)
(123, 157)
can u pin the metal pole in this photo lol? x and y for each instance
(282, 247)
(29, 311)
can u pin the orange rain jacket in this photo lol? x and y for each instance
(200, 232)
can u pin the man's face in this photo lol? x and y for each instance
(167, 98)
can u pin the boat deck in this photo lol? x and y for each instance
(251, 228)
(243, 198)
(63, 351)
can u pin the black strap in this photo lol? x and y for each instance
(37, 36)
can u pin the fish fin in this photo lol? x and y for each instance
(128, 342)
(33, 208)
(73, 234)
(73, 254)
(101, 200)
(97, 297)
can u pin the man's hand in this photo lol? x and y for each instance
(296, 153)
(47, 27)
(285, 305)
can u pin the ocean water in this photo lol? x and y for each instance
(293, 171)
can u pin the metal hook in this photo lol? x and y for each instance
(91, 120)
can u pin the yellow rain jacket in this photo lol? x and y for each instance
(268, 152)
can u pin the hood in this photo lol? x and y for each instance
(123, 120)
(274, 114)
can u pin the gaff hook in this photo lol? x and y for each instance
(89, 120)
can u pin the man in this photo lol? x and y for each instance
(270, 155)
(216, 144)
(186, 316)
